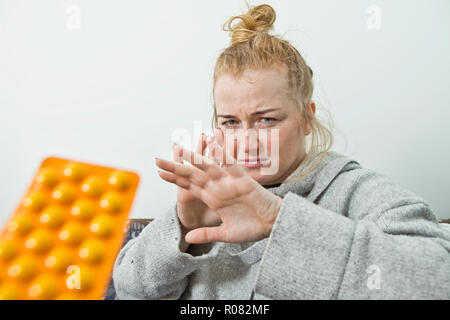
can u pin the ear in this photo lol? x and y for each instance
(312, 106)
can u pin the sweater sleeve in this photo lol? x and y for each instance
(152, 266)
(392, 247)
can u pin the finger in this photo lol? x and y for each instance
(176, 154)
(172, 178)
(176, 168)
(206, 235)
(208, 141)
(182, 183)
(235, 147)
(189, 172)
(225, 142)
(223, 156)
(219, 139)
(218, 135)
(229, 162)
(197, 160)
(213, 170)
(220, 154)
(207, 165)
(201, 144)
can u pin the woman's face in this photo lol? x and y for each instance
(242, 113)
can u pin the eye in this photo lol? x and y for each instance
(229, 122)
(268, 120)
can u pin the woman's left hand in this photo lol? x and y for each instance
(247, 210)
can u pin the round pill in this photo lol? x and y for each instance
(119, 180)
(74, 171)
(71, 233)
(10, 291)
(111, 201)
(35, 201)
(39, 241)
(102, 225)
(59, 259)
(83, 209)
(92, 250)
(21, 225)
(47, 177)
(45, 286)
(52, 216)
(23, 268)
(79, 278)
(8, 249)
(64, 193)
(93, 187)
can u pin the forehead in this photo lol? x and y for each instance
(251, 90)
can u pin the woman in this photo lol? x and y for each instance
(318, 227)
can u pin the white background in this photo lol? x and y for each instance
(114, 90)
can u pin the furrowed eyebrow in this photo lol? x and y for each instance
(254, 113)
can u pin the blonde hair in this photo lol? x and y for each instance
(252, 47)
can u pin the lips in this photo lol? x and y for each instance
(251, 163)
(250, 160)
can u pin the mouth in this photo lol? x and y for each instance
(254, 163)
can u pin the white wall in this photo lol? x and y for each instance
(113, 90)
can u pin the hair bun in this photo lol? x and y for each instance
(257, 19)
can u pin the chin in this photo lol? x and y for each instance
(261, 179)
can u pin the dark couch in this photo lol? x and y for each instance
(135, 227)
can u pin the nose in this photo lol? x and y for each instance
(250, 144)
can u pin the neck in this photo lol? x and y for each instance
(288, 172)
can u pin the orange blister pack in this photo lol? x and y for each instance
(62, 240)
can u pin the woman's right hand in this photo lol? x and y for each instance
(192, 212)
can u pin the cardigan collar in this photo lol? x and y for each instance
(309, 186)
